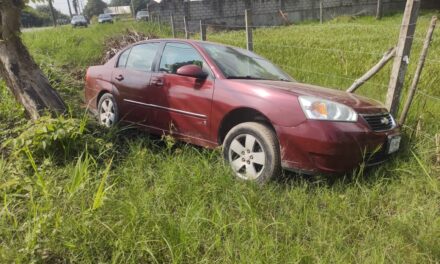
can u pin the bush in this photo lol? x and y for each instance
(59, 138)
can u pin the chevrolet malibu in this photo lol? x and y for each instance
(214, 95)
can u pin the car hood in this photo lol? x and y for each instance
(360, 103)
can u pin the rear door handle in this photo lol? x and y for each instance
(157, 81)
(119, 77)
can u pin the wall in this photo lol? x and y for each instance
(266, 12)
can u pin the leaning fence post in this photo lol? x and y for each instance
(386, 57)
(202, 30)
(248, 22)
(172, 25)
(419, 70)
(185, 25)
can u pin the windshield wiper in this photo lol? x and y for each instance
(248, 77)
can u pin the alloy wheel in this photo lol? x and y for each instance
(107, 113)
(247, 156)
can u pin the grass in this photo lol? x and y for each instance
(97, 196)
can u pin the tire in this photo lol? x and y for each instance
(108, 111)
(253, 152)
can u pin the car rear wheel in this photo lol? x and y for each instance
(108, 114)
(252, 150)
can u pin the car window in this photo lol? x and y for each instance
(176, 55)
(142, 56)
(123, 59)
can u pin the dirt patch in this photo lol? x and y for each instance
(114, 44)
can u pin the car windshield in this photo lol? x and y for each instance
(104, 16)
(236, 63)
(142, 13)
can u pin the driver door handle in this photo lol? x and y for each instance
(119, 77)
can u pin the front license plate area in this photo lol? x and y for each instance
(394, 143)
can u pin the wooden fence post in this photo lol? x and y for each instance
(249, 37)
(202, 30)
(379, 10)
(419, 70)
(321, 12)
(402, 55)
(172, 25)
(185, 25)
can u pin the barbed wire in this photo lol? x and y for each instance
(429, 95)
(320, 49)
(332, 75)
(315, 26)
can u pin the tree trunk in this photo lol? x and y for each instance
(22, 75)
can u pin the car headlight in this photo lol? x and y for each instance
(321, 109)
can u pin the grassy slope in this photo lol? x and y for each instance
(180, 204)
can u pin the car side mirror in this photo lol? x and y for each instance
(192, 70)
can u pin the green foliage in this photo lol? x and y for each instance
(94, 8)
(58, 138)
(39, 16)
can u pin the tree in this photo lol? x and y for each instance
(94, 8)
(22, 75)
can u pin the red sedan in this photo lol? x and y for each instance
(214, 95)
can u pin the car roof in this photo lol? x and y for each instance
(189, 41)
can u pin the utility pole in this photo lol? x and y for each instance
(70, 9)
(75, 6)
(54, 20)
(401, 60)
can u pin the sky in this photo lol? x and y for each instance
(62, 6)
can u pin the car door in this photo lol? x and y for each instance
(132, 77)
(184, 102)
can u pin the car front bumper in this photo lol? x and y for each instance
(332, 147)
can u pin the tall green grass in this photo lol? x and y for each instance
(127, 197)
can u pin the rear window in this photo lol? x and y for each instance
(142, 56)
(123, 59)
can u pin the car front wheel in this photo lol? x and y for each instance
(108, 114)
(252, 150)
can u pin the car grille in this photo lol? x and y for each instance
(380, 122)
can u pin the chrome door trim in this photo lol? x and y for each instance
(168, 109)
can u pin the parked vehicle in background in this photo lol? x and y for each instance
(79, 21)
(105, 18)
(215, 95)
(142, 15)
